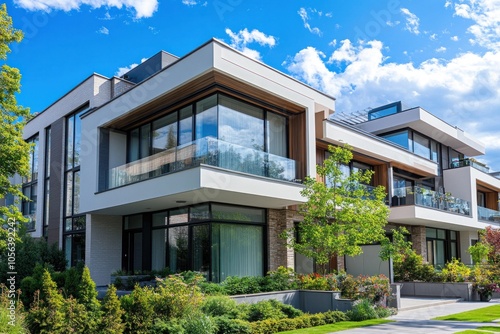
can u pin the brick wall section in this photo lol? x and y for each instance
(103, 252)
(278, 254)
(418, 239)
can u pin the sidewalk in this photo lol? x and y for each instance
(416, 319)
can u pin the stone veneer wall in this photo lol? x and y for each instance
(278, 254)
(418, 238)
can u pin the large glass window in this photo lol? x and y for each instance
(206, 117)
(442, 246)
(421, 146)
(165, 133)
(400, 138)
(241, 123)
(74, 222)
(30, 185)
(218, 240)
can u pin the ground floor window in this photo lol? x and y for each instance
(217, 240)
(442, 246)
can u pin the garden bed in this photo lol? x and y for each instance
(309, 301)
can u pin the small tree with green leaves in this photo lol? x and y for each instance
(340, 214)
(14, 151)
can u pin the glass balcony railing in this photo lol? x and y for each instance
(469, 162)
(430, 199)
(488, 215)
(207, 151)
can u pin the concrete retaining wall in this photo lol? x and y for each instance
(438, 290)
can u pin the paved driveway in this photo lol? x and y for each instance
(417, 320)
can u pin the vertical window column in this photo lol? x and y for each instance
(47, 183)
(73, 222)
(30, 186)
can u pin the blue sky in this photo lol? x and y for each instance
(442, 55)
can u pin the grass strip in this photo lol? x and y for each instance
(338, 326)
(486, 314)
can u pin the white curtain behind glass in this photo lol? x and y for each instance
(239, 250)
(276, 134)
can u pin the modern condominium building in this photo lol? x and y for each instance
(196, 163)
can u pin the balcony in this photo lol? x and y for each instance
(488, 215)
(430, 199)
(470, 162)
(208, 151)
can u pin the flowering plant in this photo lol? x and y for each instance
(487, 289)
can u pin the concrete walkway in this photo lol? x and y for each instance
(415, 318)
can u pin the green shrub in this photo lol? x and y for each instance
(413, 268)
(6, 326)
(174, 326)
(349, 287)
(313, 282)
(242, 285)
(226, 325)
(304, 321)
(455, 271)
(279, 280)
(112, 313)
(220, 306)
(374, 288)
(384, 312)
(212, 289)
(362, 309)
(335, 316)
(271, 309)
(139, 311)
(174, 298)
(199, 323)
(76, 318)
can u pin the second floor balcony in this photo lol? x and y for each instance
(430, 199)
(208, 151)
(488, 215)
(470, 162)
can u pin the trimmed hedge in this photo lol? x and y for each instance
(303, 321)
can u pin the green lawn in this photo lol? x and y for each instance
(486, 314)
(481, 330)
(337, 327)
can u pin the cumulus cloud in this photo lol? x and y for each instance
(441, 49)
(142, 8)
(122, 70)
(454, 38)
(305, 18)
(486, 27)
(460, 90)
(412, 21)
(241, 39)
(103, 30)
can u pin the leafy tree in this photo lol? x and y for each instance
(14, 151)
(340, 214)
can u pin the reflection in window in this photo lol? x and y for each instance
(206, 117)
(421, 146)
(165, 133)
(30, 185)
(400, 138)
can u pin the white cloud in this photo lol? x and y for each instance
(461, 90)
(412, 21)
(240, 40)
(192, 3)
(486, 27)
(122, 70)
(103, 30)
(392, 23)
(447, 4)
(441, 49)
(454, 38)
(142, 8)
(433, 37)
(305, 18)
